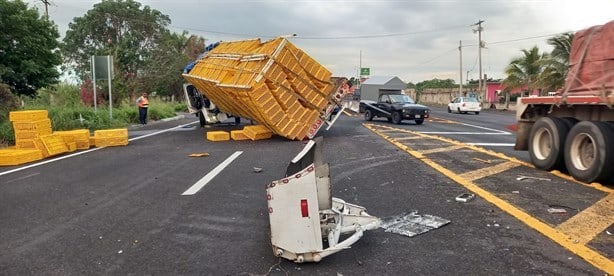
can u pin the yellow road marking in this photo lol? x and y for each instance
(585, 226)
(488, 171)
(588, 254)
(431, 151)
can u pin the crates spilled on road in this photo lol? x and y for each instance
(35, 139)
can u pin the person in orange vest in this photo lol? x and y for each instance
(143, 103)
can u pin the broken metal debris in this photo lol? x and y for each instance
(557, 211)
(411, 224)
(465, 197)
(523, 177)
(482, 160)
(257, 170)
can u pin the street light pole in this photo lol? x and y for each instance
(479, 31)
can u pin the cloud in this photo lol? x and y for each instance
(415, 40)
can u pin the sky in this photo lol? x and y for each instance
(415, 40)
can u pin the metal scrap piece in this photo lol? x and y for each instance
(411, 224)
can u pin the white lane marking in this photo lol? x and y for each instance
(465, 133)
(486, 128)
(203, 181)
(492, 144)
(87, 151)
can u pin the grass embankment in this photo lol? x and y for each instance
(67, 112)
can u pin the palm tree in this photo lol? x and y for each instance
(525, 70)
(556, 66)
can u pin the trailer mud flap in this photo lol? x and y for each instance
(306, 221)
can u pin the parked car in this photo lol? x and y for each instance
(464, 105)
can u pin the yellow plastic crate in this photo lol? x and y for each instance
(12, 157)
(111, 133)
(111, 141)
(217, 136)
(72, 146)
(54, 144)
(32, 125)
(25, 144)
(257, 132)
(31, 134)
(28, 115)
(238, 135)
(83, 144)
(79, 135)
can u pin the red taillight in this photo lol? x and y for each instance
(304, 208)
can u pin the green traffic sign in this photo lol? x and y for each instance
(365, 71)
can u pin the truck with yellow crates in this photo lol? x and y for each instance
(273, 83)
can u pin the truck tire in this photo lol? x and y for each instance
(589, 151)
(546, 143)
(396, 117)
(201, 118)
(368, 115)
(419, 121)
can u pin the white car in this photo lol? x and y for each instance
(464, 105)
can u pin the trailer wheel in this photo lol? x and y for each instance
(201, 118)
(546, 142)
(368, 115)
(396, 117)
(589, 151)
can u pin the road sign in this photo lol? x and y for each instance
(365, 71)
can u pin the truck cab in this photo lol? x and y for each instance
(396, 108)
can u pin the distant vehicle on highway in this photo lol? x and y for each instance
(462, 105)
(395, 108)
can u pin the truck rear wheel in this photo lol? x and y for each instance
(589, 151)
(201, 118)
(546, 143)
(368, 115)
(396, 117)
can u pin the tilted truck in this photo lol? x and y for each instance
(273, 83)
(574, 131)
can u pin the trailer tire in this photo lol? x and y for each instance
(368, 115)
(201, 118)
(589, 151)
(546, 143)
(396, 117)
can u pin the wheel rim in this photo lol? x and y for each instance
(542, 144)
(583, 149)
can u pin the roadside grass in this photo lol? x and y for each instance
(67, 112)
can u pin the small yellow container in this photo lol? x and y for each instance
(54, 144)
(111, 133)
(28, 115)
(32, 125)
(217, 136)
(238, 135)
(258, 132)
(12, 157)
(111, 141)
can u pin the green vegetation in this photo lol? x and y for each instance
(67, 112)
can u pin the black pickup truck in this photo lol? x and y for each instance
(396, 107)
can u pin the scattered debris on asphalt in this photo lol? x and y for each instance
(482, 160)
(411, 224)
(523, 177)
(257, 170)
(557, 211)
(465, 197)
(515, 192)
(202, 154)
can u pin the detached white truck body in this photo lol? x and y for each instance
(574, 131)
(306, 221)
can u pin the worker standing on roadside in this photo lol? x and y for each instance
(143, 103)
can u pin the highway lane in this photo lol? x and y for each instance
(121, 211)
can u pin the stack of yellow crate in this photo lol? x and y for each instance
(80, 138)
(272, 82)
(110, 137)
(29, 126)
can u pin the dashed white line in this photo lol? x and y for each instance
(203, 181)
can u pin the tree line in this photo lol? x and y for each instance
(149, 57)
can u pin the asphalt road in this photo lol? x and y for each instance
(120, 210)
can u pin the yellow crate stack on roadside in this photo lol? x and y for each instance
(111, 137)
(81, 137)
(28, 126)
(273, 83)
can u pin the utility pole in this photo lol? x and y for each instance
(46, 3)
(480, 45)
(460, 69)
